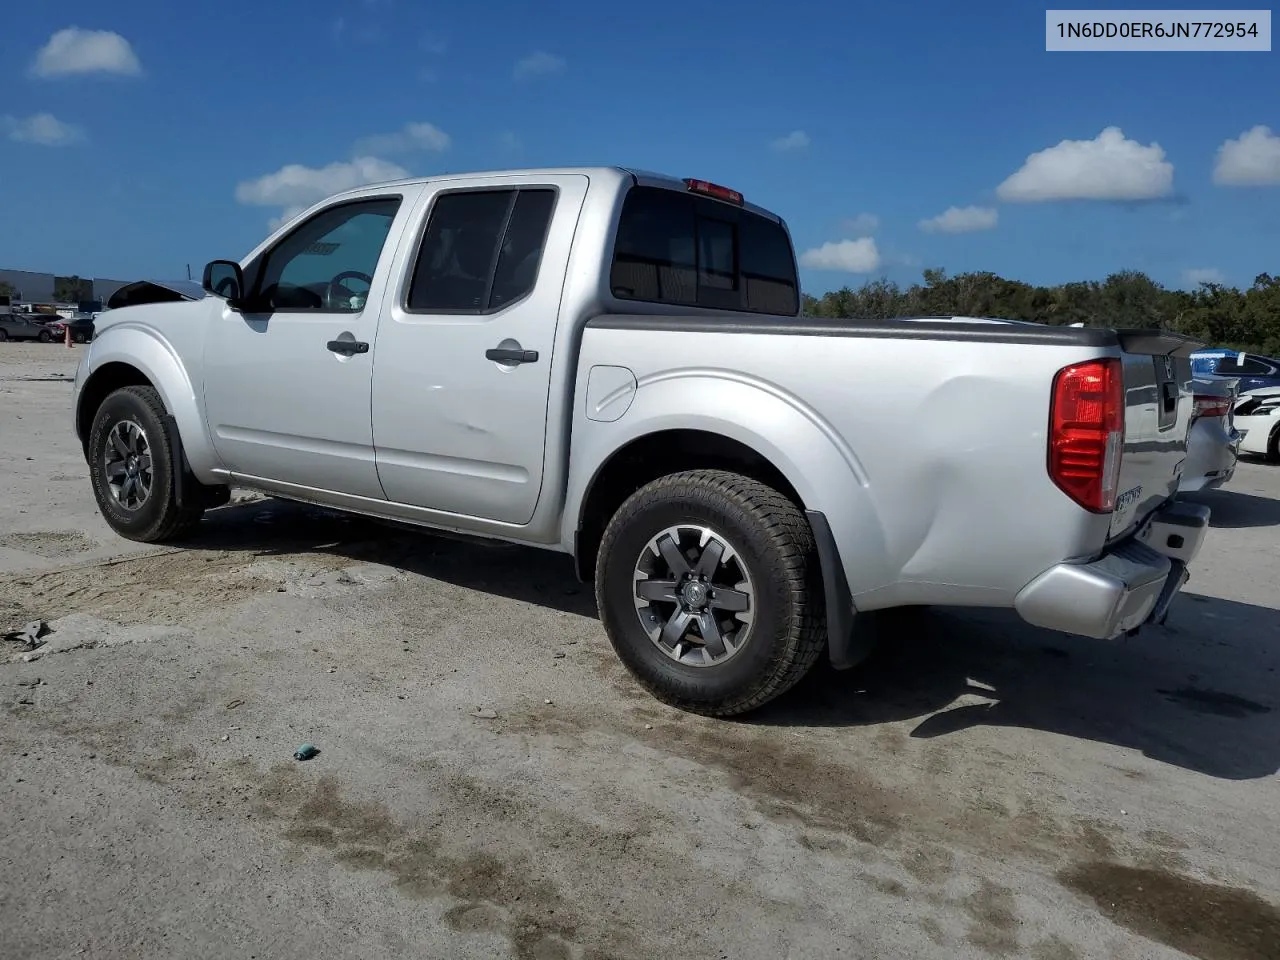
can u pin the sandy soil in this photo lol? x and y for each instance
(980, 789)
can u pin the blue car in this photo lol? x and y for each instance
(1251, 369)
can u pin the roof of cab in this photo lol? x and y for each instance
(638, 176)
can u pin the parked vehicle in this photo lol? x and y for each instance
(81, 329)
(1214, 443)
(25, 326)
(1252, 369)
(1257, 417)
(612, 364)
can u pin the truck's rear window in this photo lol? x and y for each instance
(688, 250)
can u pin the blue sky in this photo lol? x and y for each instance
(138, 153)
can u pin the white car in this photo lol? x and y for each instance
(1213, 443)
(1257, 417)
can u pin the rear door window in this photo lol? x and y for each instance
(481, 250)
(687, 250)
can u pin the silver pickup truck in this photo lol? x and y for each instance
(613, 364)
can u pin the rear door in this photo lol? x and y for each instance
(463, 362)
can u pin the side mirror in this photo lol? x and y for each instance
(225, 279)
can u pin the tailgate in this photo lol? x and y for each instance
(1159, 406)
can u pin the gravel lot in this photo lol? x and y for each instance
(980, 789)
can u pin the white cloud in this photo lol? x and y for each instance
(287, 214)
(862, 224)
(846, 256)
(1109, 167)
(962, 220)
(295, 185)
(1193, 278)
(73, 50)
(42, 128)
(413, 136)
(537, 64)
(795, 140)
(1251, 160)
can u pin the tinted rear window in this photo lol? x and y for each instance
(693, 251)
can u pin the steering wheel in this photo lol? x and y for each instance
(336, 301)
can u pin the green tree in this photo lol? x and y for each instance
(72, 289)
(1215, 313)
(7, 289)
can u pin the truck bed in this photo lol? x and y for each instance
(938, 427)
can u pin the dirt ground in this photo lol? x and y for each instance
(980, 789)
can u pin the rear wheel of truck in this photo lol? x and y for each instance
(132, 468)
(710, 591)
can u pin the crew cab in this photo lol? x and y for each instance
(613, 364)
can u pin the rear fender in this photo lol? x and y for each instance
(793, 437)
(148, 352)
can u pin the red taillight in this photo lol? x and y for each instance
(1086, 432)
(714, 190)
(1211, 406)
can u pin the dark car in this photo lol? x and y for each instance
(81, 329)
(1251, 369)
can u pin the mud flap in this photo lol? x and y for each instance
(186, 488)
(178, 457)
(846, 646)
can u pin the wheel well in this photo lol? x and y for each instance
(657, 455)
(107, 379)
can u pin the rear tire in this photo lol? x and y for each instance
(45, 336)
(4, 335)
(736, 538)
(132, 468)
(1273, 446)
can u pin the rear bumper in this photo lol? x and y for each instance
(1130, 585)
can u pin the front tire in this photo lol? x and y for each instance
(45, 336)
(132, 468)
(710, 591)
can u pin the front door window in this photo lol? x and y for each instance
(327, 264)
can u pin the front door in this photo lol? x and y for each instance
(465, 351)
(288, 381)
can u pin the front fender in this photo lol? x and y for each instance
(154, 356)
(776, 424)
